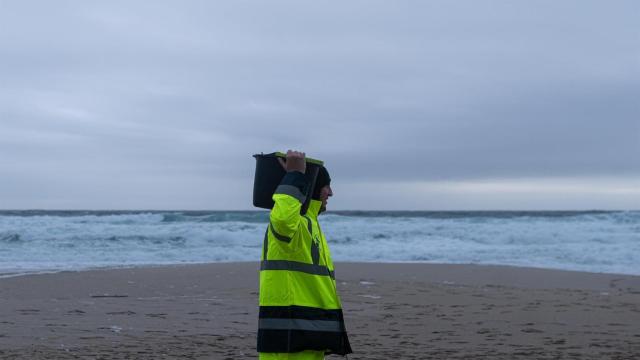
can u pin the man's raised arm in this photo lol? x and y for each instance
(289, 197)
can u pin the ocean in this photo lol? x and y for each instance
(593, 241)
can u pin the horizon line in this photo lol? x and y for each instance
(328, 211)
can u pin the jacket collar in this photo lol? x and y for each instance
(314, 208)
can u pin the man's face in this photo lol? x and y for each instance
(325, 193)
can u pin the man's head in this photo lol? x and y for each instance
(322, 190)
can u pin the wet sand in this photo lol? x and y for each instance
(393, 311)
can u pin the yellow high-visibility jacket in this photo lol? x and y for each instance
(299, 305)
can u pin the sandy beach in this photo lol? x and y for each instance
(393, 311)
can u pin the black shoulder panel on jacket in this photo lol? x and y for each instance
(297, 179)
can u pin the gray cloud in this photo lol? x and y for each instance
(138, 99)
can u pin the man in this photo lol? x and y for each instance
(300, 311)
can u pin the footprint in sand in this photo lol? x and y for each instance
(157, 315)
(551, 341)
(128, 312)
(28, 311)
(531, 330)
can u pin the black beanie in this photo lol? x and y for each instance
(322, 180)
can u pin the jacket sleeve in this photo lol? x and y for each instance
(289, 196)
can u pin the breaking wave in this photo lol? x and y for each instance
(66, 240)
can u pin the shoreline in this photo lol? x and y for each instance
(5, 275)
(392, 310)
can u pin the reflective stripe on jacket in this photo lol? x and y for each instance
(299, 305)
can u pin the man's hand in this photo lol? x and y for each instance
(295, 161)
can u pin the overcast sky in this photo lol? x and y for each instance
(435, 105)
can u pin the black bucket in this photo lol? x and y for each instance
(269, 173)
